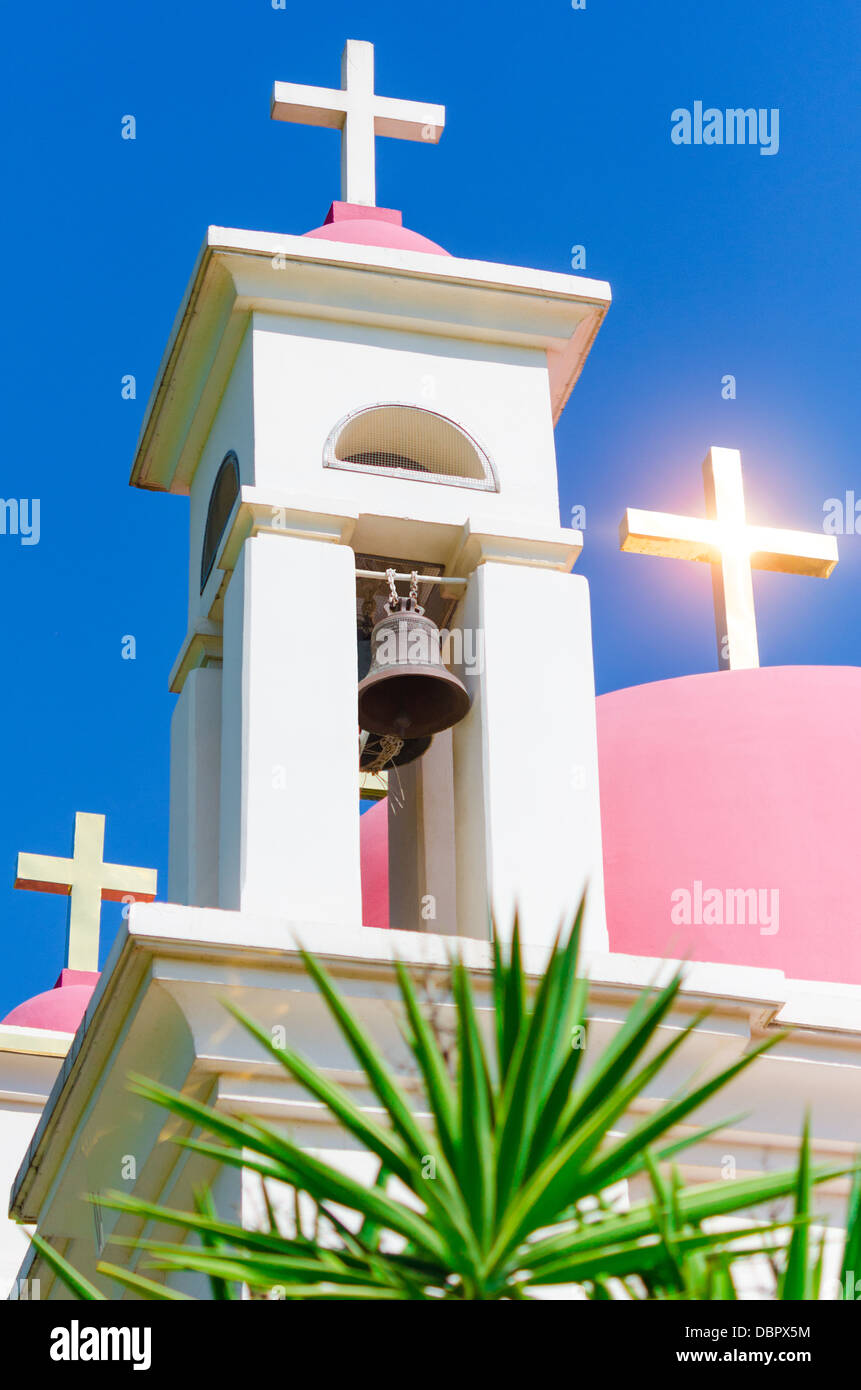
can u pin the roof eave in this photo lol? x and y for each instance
(237, 272)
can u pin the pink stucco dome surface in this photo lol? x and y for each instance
(364, 226)
(60, 1008)
(374, 840)
(736, 781)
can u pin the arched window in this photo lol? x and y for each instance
(409, 442)
(225, 491)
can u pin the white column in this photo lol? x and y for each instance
(422, 861)
(289, 760)
(527, 813)
(195, 774)
(440, 859)
(403, 808)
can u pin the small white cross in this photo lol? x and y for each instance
(360, 115)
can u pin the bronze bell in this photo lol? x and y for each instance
(408, 692)
(380, 752)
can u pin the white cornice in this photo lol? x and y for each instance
(239, 272)
(34, 1042)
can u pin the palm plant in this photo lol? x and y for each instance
(501, 1186)
(719, 1274)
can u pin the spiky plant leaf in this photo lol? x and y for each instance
(505, 1188)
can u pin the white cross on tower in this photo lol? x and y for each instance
(87, 880)
(360, 115)
(733, 548)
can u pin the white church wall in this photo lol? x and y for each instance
(195, 777)
(30, 1059)
(18, 1123)
(308, 376)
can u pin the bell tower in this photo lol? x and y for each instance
(336, 405)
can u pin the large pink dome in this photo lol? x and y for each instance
(742, 785)
(741, 782)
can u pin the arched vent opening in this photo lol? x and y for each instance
(410, 442)
(225, 491)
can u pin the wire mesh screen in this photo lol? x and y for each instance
(408, 441)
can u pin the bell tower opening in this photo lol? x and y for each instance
(411, 441)
(376, 759)
(415, 776)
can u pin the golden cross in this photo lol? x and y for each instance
(732, 548)
(87, 881)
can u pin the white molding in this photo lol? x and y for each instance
(36, 1042)
(238, 272)
(556, 548)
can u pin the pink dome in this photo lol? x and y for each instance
(722, 794)
(60, 1008)
(364, 226)
(374, 848)
(735, 784)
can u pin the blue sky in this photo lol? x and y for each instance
(721, 260)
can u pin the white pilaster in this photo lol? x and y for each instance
(527, 813)
(403, 805)
(422, 860)
(195, 775)
(289, 844)
(440, 859)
